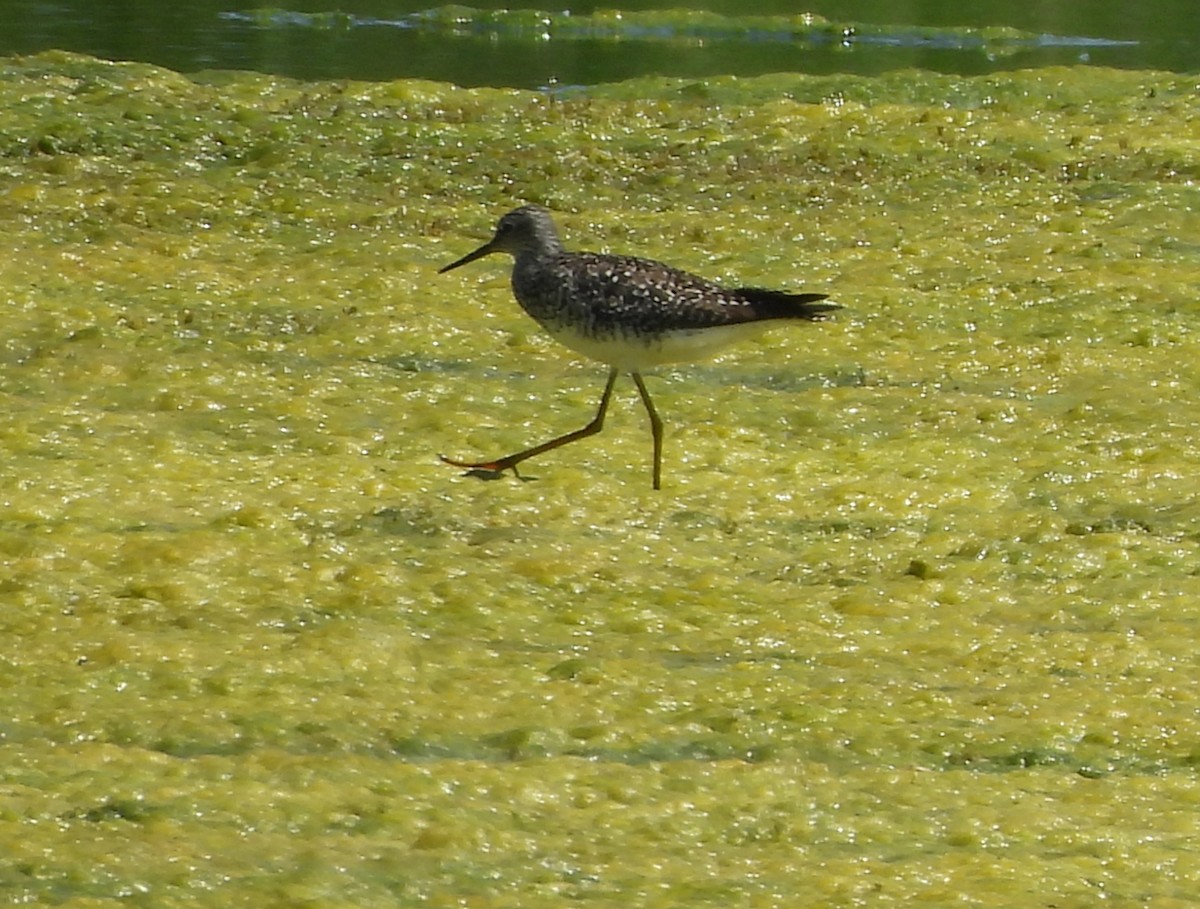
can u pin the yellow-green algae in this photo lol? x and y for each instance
(913, 620)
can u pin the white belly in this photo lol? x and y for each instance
(633, 354)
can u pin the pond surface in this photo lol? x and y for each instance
(392, 40)
(912, 621)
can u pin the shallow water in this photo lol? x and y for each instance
(486, 43)
(912, 619)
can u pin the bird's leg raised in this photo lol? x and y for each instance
(512, 460)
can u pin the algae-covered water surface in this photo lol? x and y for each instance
(912, 620)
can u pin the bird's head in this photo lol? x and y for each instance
(528, 229)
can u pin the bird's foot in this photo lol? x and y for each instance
(484, 470)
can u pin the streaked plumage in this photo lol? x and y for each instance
(628, 312)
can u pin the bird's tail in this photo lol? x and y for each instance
(776, 304)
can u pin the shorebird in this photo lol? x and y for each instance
(628, 312)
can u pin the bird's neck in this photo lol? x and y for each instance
(532, 256)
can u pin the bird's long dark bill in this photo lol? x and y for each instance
(469, 257)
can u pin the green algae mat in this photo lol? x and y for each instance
(912, 621)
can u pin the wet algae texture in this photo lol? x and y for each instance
(913, 620)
